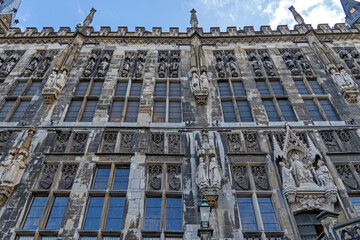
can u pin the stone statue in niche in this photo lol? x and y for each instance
(241, 177)
(303, 63)
(174, 177)
(140, 64)
(307, 182)
(68, 176)
(255, 64)
(348, 88)
(6, 69)
(162, 68)
(126, 65)
(89, 68)
(30, 68)
(214, 173)
(45, 64)
(174, 65)
(220, 67)
(234, 142)
(349, 61)
(3, 58)
(202, 174)
(232, 64)
(4, 137)
(13, 167)
(155, 176)
(195, 82)
(290, 63)
(269, 67)
(104, 65)
(49, 172)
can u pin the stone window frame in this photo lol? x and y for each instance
(126, 98)
(84, 99)
(51, 194)
(276, 98)
(18, 98)
(107, 194)
(234, 98)
(316, 99)
(164, 193)
(167, 99)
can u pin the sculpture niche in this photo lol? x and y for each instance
(13, 167)
(306, 181)
(208, 176)
(347, 86)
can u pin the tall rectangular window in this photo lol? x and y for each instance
(277, 88)
(228, 111)
(121, 179)
(57, 213)
(34, 87)
(101, 179)
(135, 90)
(96, 89)
(247, 214)
(313, 110)
(268, 214)
(244, 111)
(160, 89)
(89, 111)
(73, 110)
(18, 89)
(329, 110)
(356, 203)
(224, 89)
(175, 89)
(81, 89)
(93, 217)
(271, 110)
(121, 88)
(153, 214)
(20, 110)
(302, 87)
(316, 87)
(132, 111)
(159, 114)
(116, 111)
(35, 213)
(115, 213)
(263, 88)
(6, 109)
(174, 112)
(173, 214)
(286, 110)
(239, 90)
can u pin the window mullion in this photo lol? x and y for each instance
(46, 213)
(104, 212)
(259, 221)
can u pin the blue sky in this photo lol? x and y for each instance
(175, 13)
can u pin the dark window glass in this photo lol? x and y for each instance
(160, 89)
(271, 111)
(89, 238)
(268, 214)
(101, 179)
(57, 213)
(238, 88)
(6, 109)
(73, 111)
(81, 88)
(49, 238)
(244, 111)
(159, 111)
(224, 89)
(228, 111)
(26, 238)
(121, 88)
(116, 111)
(287, 110)
(96, 89)
(115, 213)
(308, 225)
(316, 87)
(356, 203)
(173, 214)
(89, 111)
(33, 88)
(313, 110)
(302, 87)
(35, 213)
(247, 214)
(132, 111)
(329, 110)
(18, 89)
(174, 112)
(152, 238)
(19, 112)
(121, 179)
(135, 90)
(93, 217)
(175, 90)
(152, 214)
(263, 88)
(277, 88)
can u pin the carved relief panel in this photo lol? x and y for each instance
(340, 141)
(98, 63)
(8, 61)
(140, 64)
(68, 174)
(109, 142)
(128, 64)
(347, 176)
(268, 63)
(127, 141)
(241, 177)
(4, 138)
(260, 177)
(330, 141)
(157, 142)
(251, 141)
(61, 142)
(254, 60)
(351, 57)
(226, 64)
(174, 177)
(234, 142)
(174, 143)
(296, 62)
(48, 174)
(39, 63)
(89, 68)
(169, 64)
(347, 142)
(154, 177)
(78, 142)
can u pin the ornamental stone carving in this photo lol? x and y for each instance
(140, 64)
(260, 177)
(174, 143)
(109, 142)
(104, 64)
(347, 176)
(10, 62)
(208, 177)
(241, 177)
(127, 141)
(45, 64)
(251, 142)
(78, 142)
(304, 64)
(127, 64)
(163, 64)
(226, 62)
(329, 140)
(306, 180)
(13, 167)
(157, 142)
(290, 62)
(4, 137)
(34, 62)
(234, 142)
(347, 86)
(68, 176)
(253, 59)
(48, 175)
(268, 64)
(175, 64)
(90, 65)
(174, 177)
(61, 141)
(155, 177)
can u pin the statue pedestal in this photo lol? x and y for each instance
(50, 95)
(310, 196)
(5, 192)
(350, 94)
(201, 97)
(211, 194)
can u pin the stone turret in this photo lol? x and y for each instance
(352, 11)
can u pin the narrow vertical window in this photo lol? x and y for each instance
(286, 110)
(159, 113)
(35, 86)
(247, 214)
(277, 88)
(96, 89)
(35, 213)
(263, 88)
(302, 87)
(329, 110)
(20, 110)
(313, 110)
(18, 89)
(316, 87)
(57, 213)
(228, 111)
(152, 214)
(116, 111)
(101, 179)
(160, 89)
(224, 89)
(174, 112)
(239, 90)
(173, 214)
(81, 89)
(175, 90)
(268, 214)
(135, 90)
(93, 217)
(115, 213)
(121, 88)
(73, 111)
(271, 110)
(121, 179)
(132, 111)
(244, 111)
(6, 109)
(89, 111)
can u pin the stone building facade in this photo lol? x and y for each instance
(120, 135)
